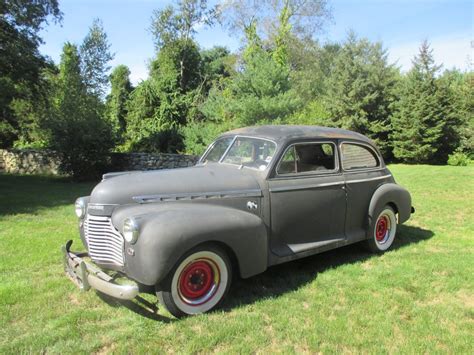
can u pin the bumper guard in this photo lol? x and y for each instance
(86, 276)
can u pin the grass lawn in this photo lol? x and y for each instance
(417, 298)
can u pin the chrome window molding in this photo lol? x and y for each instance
(379, 166)
(308, 173)
(368, 179)
(305, 187)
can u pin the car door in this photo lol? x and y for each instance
(364, 172)
(307, 198)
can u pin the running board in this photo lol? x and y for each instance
(302, 247)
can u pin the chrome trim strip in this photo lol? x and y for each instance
(198, 195)
(305, 187)
(369, 179)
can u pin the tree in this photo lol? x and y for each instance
(305, 17)
(217, 65)
(260, 92)
(116, 104)
(95, 56)
(165, 101)
(21, 64)
(171, 26)
(78, 132)
(360, 90)
(421, 112)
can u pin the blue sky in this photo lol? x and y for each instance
(401, 26)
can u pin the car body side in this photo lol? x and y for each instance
(168, 229)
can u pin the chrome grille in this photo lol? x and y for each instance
(104, 242)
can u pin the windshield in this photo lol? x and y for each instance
(249, 152)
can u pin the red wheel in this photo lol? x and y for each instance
(383, 230)
(198, 283)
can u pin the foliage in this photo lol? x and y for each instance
(21, 64)
(78, 133)
(95, 56)
(217, 65)
(425, 127)
(117, 100)
(458, 158)
(164, 102)
(360, 90)
(306, 17)
(198, 135)
(170, 25)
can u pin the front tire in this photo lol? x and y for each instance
(198, 283)
(382, 231)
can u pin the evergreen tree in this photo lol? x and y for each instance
(260, 93)
(422, 112)
(361, 90)
(117, 100)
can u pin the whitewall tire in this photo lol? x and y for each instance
(198, 283)
(383, 230)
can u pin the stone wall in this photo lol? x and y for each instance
(147, 161)
(29, 161)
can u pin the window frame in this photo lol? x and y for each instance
(232, 141)
(371, 149)
(309, 173)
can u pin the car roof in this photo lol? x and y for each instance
(282, 133)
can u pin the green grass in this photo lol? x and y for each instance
(417, 298)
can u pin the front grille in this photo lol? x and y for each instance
(104, 242)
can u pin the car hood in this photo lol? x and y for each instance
(201, 181)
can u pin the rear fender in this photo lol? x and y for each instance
(388, 194)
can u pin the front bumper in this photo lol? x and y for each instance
(87, 276)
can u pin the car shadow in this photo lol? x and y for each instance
(139, 305)
(290, 276)
(279, 279)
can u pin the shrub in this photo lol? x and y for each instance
(458, 159)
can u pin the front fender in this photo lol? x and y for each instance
(170, 229)
(391, 194)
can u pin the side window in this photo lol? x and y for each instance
(358, 157)
(308, 157)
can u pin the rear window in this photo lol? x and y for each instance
(356, 156)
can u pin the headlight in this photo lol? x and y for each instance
(130, 230)
(80, 207)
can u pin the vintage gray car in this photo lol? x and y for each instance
(259, 196)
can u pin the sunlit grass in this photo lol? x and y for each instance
(419, 297)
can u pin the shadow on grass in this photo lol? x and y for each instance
(29, 193)
(287, 277)
(282, 278)
(139, 306)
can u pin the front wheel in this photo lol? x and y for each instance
(383, 230)
(198, 283)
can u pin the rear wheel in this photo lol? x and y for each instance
(198, 283)
(383, 230)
